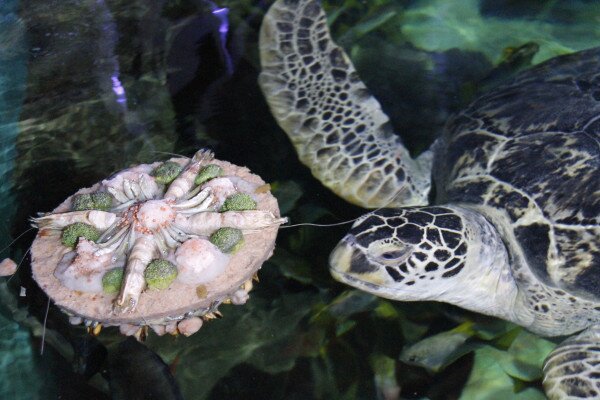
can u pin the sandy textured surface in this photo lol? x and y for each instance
(153, 305)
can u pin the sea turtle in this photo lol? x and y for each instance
(513, 230)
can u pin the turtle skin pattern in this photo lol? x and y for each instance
(531, 150)
(337, 127)
(436, 231)
(528, 156)
(572, 370)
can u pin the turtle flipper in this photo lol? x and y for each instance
(337, 127)
(572, 370)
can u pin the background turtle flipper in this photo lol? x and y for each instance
(572, 370)
(337, 127)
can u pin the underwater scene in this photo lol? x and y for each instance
(89, 88)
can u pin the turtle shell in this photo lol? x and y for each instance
(528, 156)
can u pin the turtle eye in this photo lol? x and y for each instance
(388, 253)
(391, 255)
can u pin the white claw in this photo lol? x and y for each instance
(169, 240)
(137, 190)
(128, 190)
(177, 234)
(117, 194)
(148, 187)
(221, 189)
(131, 185)
(196, 200)
(113, 243)
(161, 244)
(206, 204)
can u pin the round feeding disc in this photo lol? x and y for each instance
(159, 244)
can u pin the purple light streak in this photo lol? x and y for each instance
(222, 13)
(118, 89)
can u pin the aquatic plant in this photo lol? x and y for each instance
(439, 25)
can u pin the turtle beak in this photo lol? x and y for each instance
(348, 264)
(341, 258)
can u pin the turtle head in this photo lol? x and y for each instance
(424, 253)
(403, 254)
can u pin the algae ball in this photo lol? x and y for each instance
(159, 274)
(72, 233)
(239, 202)
(92, 201)
(112, 279)
(82, 202)
(228, 240)
(166, 172)
(102, 201)
(207, 173)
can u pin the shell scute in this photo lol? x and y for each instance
(529, 152)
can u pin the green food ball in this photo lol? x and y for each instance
(82, 202)
(166, 172)
(102, 201)
(228, 240)
(238, 202)
(92, 201)
(72, 233)
(112, 280)
(159, 274)
(207, 173)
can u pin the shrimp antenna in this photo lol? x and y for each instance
(15, 239)
(170, 154)
(19, 265)
(44, 328)
(344, 222)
